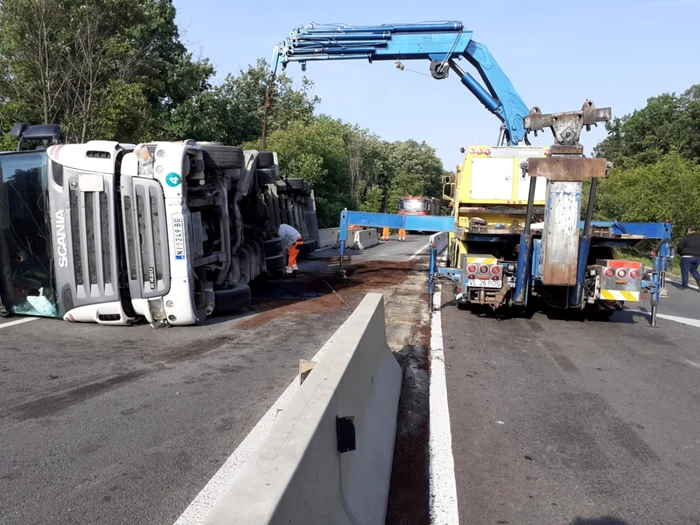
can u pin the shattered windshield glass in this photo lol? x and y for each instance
(26, 276)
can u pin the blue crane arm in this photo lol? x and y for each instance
(443, 43)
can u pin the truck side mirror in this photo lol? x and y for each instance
(448, 191)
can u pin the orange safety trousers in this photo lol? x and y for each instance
(293, 252)
(402, 234)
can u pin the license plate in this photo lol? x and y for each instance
(179, 236)
(483, 283)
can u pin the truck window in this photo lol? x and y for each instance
(26, 259)
(412, 205)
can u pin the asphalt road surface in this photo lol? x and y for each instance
(558, 421)
(116, 425)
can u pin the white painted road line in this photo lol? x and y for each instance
(443, 486)
(18, 321)
(420, 252)
(198, 509)
(684, 320)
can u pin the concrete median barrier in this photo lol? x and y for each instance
(365, 239)
(440, 240)
(328, 237)
(328, 457)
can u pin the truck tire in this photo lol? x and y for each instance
(266, 176)
(275, 263)
(218, 156)
(265, 159)
(273, 247)
(232, 300)
(598, 312)
(297, 184)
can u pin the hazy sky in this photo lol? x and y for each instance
(556, 54)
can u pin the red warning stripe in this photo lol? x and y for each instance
(624, 264)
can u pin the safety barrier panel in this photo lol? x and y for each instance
(365, 239)
(328, 456)
(440, 240)
(328, 237)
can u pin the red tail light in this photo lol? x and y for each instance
(472, 268)
(483, 269)
(495, 277)
(495, 269)
(634, 274)
(471, 277)
(609, 272)
(621, 273)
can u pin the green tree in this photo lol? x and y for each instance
(666, 190)
(76, 61)
(373, 201)
(233, 112)
(666, 124)
(417, 171)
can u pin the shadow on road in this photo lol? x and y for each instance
(605, 520)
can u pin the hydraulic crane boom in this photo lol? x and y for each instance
(443, 43)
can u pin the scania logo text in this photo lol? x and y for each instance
(61, 239)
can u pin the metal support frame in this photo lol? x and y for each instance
(423, 223)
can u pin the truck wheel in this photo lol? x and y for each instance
(222, 157)
(598, 312)
(266, 176)
(275, 263)
(273, 247)
(265, 159)
(232, 300)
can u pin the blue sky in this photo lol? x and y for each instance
(557, 54)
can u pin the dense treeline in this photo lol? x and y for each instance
(118, 70)
(656, 153)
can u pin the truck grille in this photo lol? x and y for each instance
(93, 245)
(146, 238)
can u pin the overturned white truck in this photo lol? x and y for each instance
(112, 233)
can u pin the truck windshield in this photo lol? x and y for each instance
(26, 261)
(412, 205)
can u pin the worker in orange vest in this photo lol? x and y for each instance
(402, 234)
(385, 234)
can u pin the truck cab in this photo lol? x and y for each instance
(169, 232)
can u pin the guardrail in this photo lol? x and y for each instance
(328, 457)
